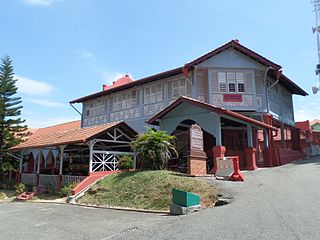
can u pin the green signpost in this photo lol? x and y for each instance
(185, 199)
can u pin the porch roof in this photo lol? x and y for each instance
(209, 107)
(69, 133)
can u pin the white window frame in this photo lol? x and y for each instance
(179, 87)
(226, 78)
(153, 94)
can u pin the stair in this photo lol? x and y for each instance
(25, 196)
(89, 180)
(288, 155)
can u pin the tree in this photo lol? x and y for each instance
(154, 148)
(10, 109)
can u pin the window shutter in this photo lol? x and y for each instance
(222, 81)
(248, 79)
(170, 92)
(214, 81)
(189, 89)
(159, 92)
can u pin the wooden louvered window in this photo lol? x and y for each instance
(235, 82)
(125, 101)
(240, 82)
(153, 94)
(179, 87)
(222, 81)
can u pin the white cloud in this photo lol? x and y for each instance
(306, 114)
(90, 59)
(32, 87)
(45, 102)
(44, 3)
(85, 54)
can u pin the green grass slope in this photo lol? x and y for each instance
(146, 190)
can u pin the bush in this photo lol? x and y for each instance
(9, 184)
(29, 187)
(67, 190)
(154, 149)
(125, 162)
(20, 188)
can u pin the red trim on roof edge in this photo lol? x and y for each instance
(233, 43)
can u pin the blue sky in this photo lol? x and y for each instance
(65, 49)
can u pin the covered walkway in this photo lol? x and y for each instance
(219, 123)
(62, 154)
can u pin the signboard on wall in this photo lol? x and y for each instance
(196, 138)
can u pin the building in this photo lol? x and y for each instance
(241, 100)
(232, 77)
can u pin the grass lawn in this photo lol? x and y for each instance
(146, 190)
(6, 194)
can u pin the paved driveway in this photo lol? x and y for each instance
(273, 203)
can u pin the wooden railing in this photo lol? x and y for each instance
(68, 179)
(48, 180)
(28, 178)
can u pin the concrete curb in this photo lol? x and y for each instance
(122, 208)
(103, 207)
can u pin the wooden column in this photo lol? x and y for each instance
(20, 167)
(38, 164)
(62, 147)
(249, 136)
(91, 144)
(219, 135)
(266, 138)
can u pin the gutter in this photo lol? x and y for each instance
(71, 104)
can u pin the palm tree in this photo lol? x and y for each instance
(154, 148)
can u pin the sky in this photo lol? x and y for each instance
(65, 49)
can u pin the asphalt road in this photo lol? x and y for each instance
(272, 203)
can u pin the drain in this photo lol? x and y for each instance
(223, 200)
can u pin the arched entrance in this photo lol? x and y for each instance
(182, 134)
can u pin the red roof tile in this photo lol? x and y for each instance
(66, 133)
(294, 88)
(212, 108)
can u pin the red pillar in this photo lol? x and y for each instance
(217, 151)
(250, 153)
(267, 157)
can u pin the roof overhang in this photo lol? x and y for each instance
(71, 136)
(220, 111)
(190, 66)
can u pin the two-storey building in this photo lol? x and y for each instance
(232, 77)
(241, 100)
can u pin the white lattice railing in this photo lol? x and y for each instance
(28, 178)
(67, 179)
(48, 180)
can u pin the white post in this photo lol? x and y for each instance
(249, 136)
(91, 144)
(266, 139)
(218, 133)
(21, 162)
(39, 160)
(62, 147)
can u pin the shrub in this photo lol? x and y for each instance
(125, 162)
(154, 148)
(29, 187)
(67, 190)
(20, 188)
(9, 184)
(3, 196)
